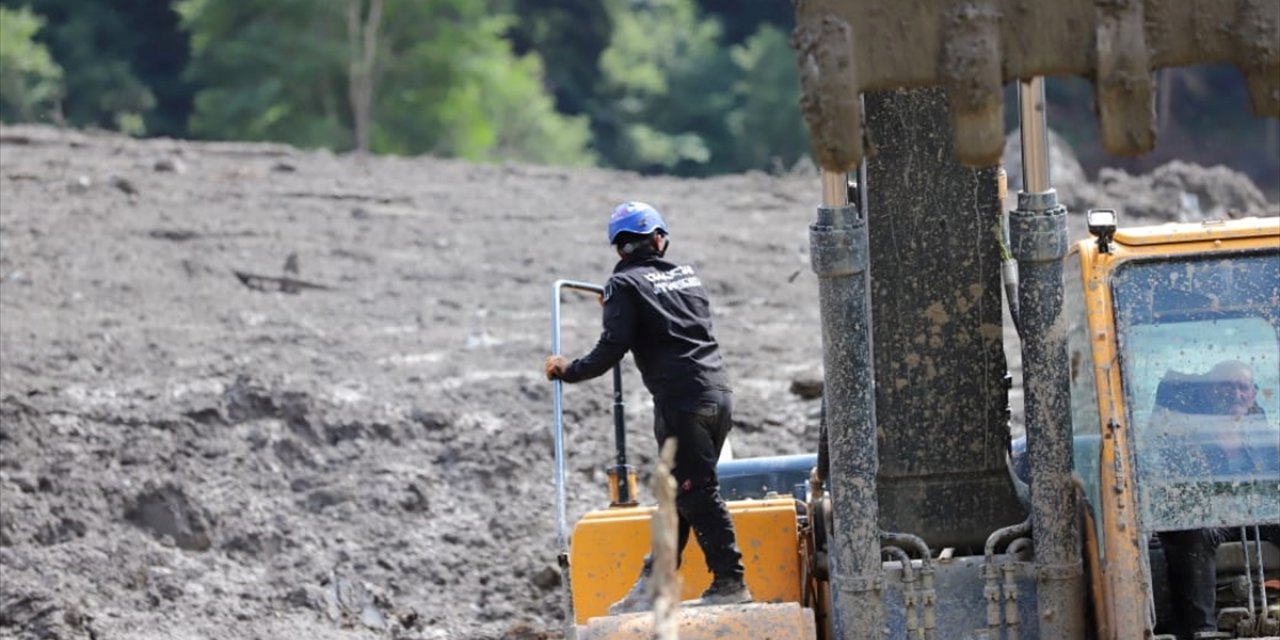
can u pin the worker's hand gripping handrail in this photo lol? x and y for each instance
(557, 388)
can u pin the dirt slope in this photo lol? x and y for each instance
(185, 456)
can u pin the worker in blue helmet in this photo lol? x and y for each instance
(637, 219)
(660, 312)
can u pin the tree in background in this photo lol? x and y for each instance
(687, 87)
(765, 124)
(741, 19)
(665, 86)
(269, 70)
(569, 36)
(30, 81)
(675, 98)
(430, 76)
(363, 27)
(122, 63)
(451, 85)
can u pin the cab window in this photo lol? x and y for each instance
(1200, 363)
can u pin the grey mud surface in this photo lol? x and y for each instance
(184, 456)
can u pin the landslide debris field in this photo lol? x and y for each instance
(252, 392)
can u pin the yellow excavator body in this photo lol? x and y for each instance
(608, 548)
(1120, 595)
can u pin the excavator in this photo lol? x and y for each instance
(919, 516)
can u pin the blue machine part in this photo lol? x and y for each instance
(755, 478)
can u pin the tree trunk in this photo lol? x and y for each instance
(666, 584)
(363, 37)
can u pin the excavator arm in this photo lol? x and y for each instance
(909, 280)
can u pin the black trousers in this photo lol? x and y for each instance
(700, 427)
(1192, 578)
(1191, 558)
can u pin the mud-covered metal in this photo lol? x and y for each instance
(972, 48)
(998, 617)
(566, 595)
(910, 592)
(1039, 239)
(1012, 593)
(1127, 601)
(1124, 554)
(839, 254)
(785, 621)
(829, 92)
(941, 402)
(926, 596)
(962, 611)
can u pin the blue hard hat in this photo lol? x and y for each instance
(635, 217)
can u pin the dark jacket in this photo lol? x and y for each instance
(659, 311)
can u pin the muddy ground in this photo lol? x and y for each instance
(189, 453)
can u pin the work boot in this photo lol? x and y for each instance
(726, 590)
(638, 598)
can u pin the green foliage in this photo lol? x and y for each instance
(269, 70)
(674, 99)
(30, 81)
(690, 87)
(510, 94)
(742, 19)
(569, 35)
(453, 86)
(121, 61)
(445, 80)
(665, 86)
(765, 125)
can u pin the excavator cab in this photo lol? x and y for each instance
(1177, 333)
(1174, 350)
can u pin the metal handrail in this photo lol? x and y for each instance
(557, 388)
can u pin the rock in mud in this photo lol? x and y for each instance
(167, 513)
(547, 578)
(808, 385)
(170, 165)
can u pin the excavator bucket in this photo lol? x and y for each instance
(972, 49)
